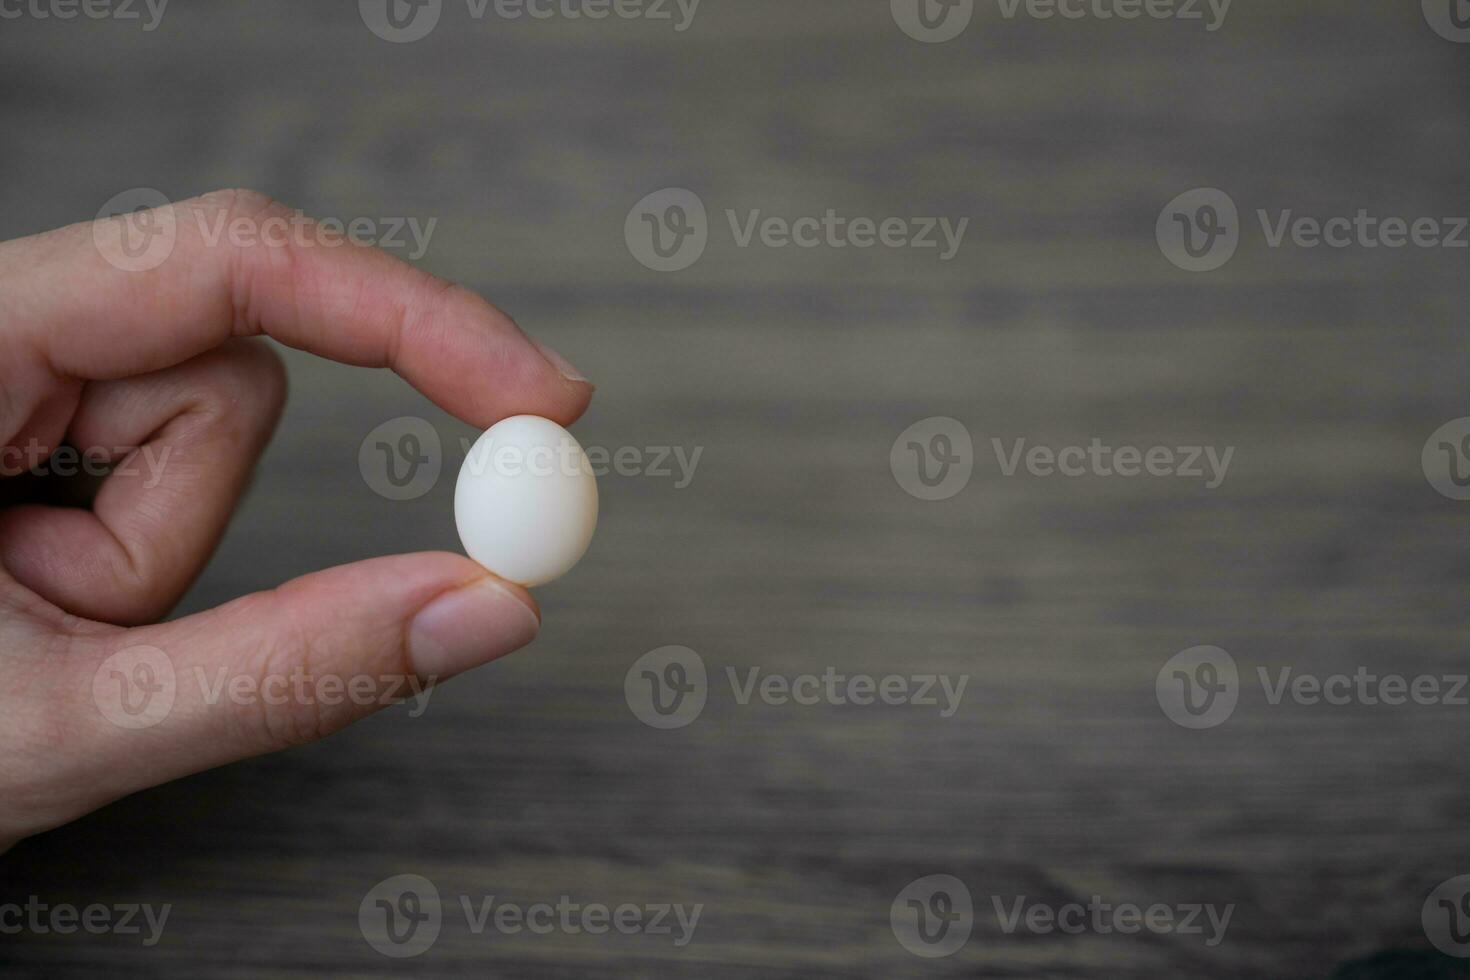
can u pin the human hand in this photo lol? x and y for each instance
(94, 355)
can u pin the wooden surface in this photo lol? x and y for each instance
(794, 550)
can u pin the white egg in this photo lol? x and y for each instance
(526, 500)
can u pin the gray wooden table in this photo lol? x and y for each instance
(794, 549)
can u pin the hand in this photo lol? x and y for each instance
(94, 356)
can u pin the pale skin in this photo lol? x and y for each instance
(169, 359)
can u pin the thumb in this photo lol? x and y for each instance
(292, 665)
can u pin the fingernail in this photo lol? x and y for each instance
(565, 367)
(470, 626)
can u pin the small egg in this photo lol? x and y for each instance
(526, 500)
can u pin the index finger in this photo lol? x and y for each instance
(84, 307)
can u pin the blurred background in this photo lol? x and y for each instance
(803, 541)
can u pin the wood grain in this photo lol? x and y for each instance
(793, 550)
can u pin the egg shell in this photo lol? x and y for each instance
(525, 503)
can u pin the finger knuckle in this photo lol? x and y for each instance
(432, 308)
(280, 712)
(235, 202)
